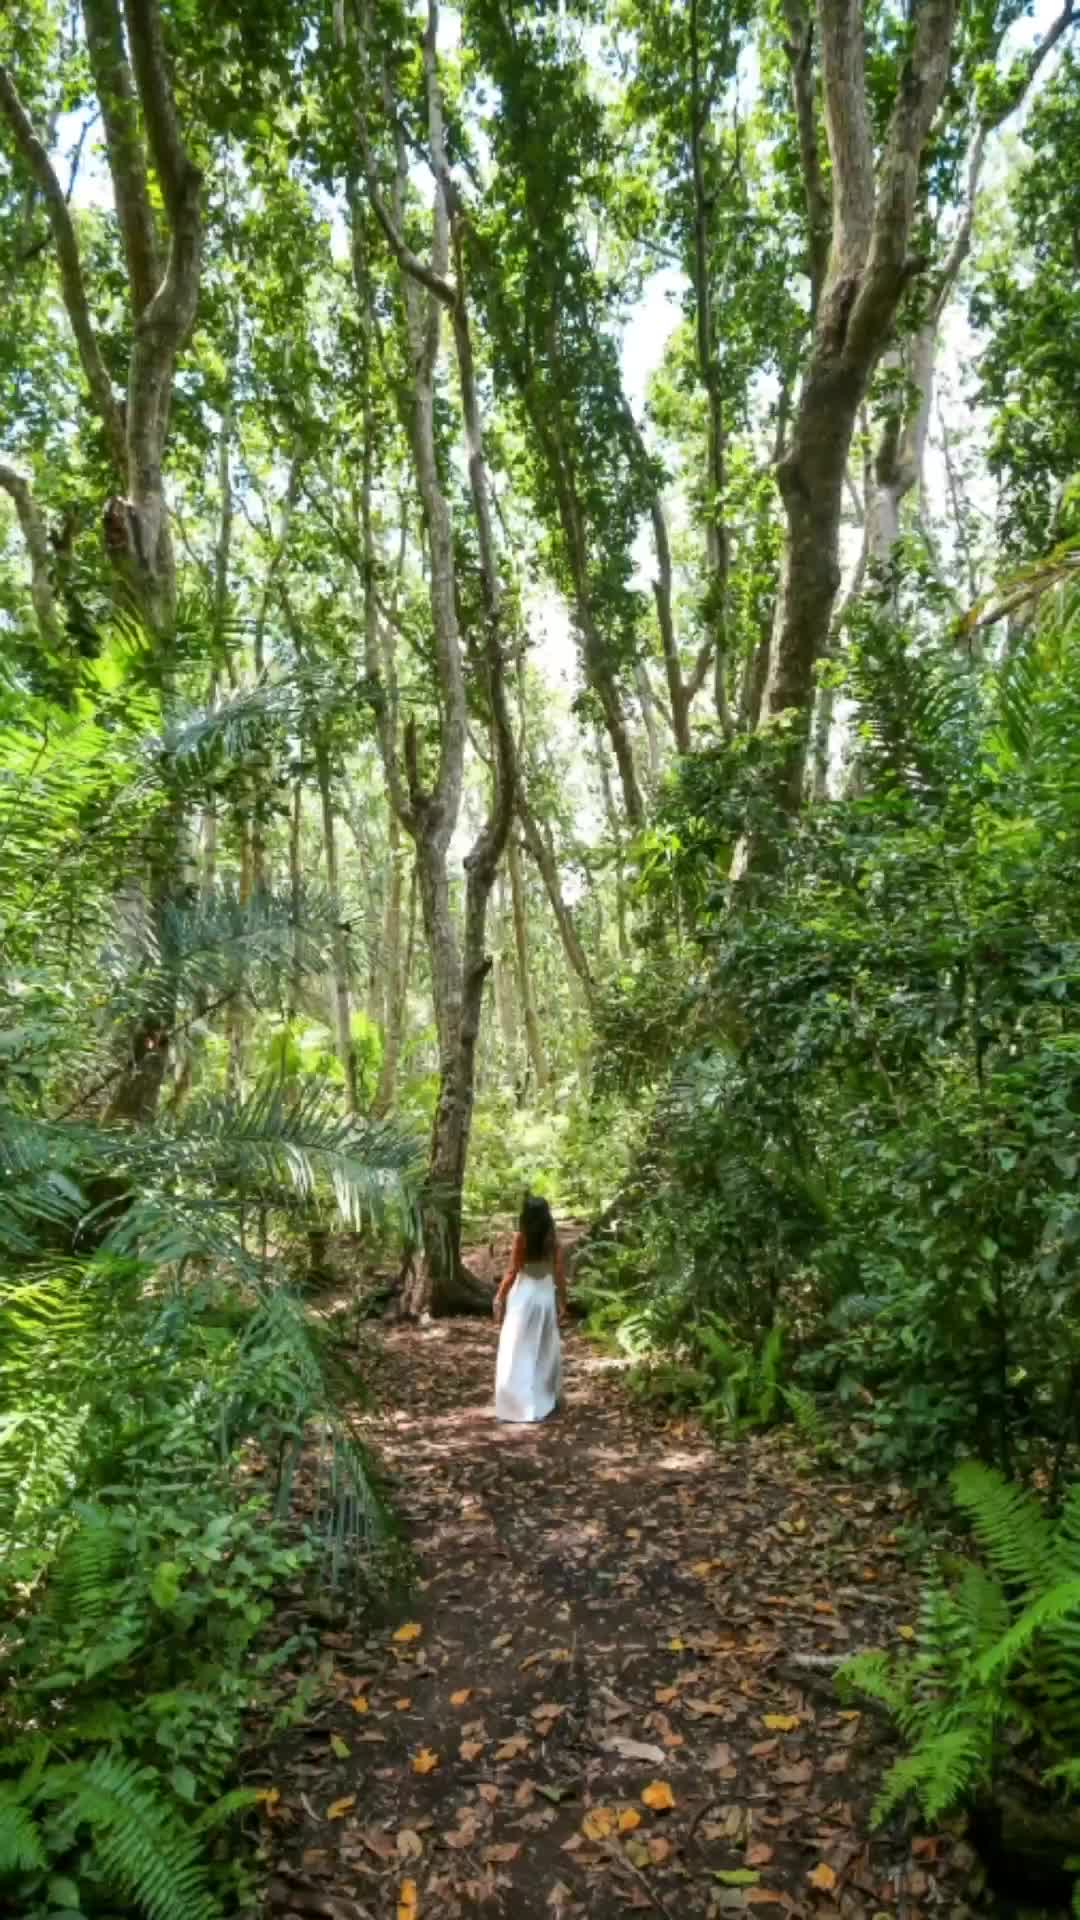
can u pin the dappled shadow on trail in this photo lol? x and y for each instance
(612, 1686)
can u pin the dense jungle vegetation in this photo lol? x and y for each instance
(540, 629)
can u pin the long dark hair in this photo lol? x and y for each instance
(538, 1227)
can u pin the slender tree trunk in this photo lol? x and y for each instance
(395, 971)
(615, 830)
(503, 978)
(524, 974)
(342, 1002)
(538, 842)
(296, 889)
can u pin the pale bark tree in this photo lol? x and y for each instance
(162, 259)
(429, 813)
(36, 537)
(526, 993)
(149, 166)
(873, 205)
(898, 462)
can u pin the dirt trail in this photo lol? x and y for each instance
(595, 1702)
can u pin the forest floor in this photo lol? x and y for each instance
(611, 1689)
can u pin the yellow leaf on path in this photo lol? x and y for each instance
(411, 1631)
(339, 1748)
(658, 1796)
(598, 1823)
(269, 1797)
(459, 1698)
(408, 1903)
(339, 1808)
(781, 1722)
(409, 1844)
(403, 1703)
(822, 1877)
(359, 1703)
(425, 1761)
(638, 1852)
(629, 1818)
(677, 1645)
(906, 1633)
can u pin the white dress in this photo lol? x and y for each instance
(528, 1372)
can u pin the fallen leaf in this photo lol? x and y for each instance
(471, 1749)
(503, 1853)
(658, 1796)
(823, 1877)
(659, 1848)
(906, 1633)
(409, 1844)
(400, 1704)
(459, 1698)
(549, 1711)
(510, 1749)
(736, 1876)
(629, 1818)
(634, 1750)
(502, 1640)
(379, 1843)
(269, 1796)
(359, 1703)
(798, 1775)
(665, 1695)
(408, 1903)
(781, 1722)
(425, 1761)
(410, 1631)
(638, 1852)
(759, 1855)
(720, 1759)
(339, 1747)
(598, 1823)
(339, 1808)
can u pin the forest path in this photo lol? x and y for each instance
(593, 1703)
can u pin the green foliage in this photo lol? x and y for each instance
(871, 1129)
(992, 1685)
(138, 1583)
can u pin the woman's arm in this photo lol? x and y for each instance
(560, 1283)
(517, 1256)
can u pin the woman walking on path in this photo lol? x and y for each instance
(528, 1371)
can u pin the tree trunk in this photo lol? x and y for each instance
(395, 972)
(524, 975)
(538, 842)
(867, 272)
(296, 890)
(342, 1002)
(504, 983)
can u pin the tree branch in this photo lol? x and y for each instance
(40, 167)
(34, 532)
(799, 48)
(127, 157)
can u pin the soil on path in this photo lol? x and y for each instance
(611, 1690)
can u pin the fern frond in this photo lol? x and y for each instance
(940, 1773)
(879, 1678)
(1048, 1611)
(1007, 1522)
(21, 1849)
(143, 1851)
